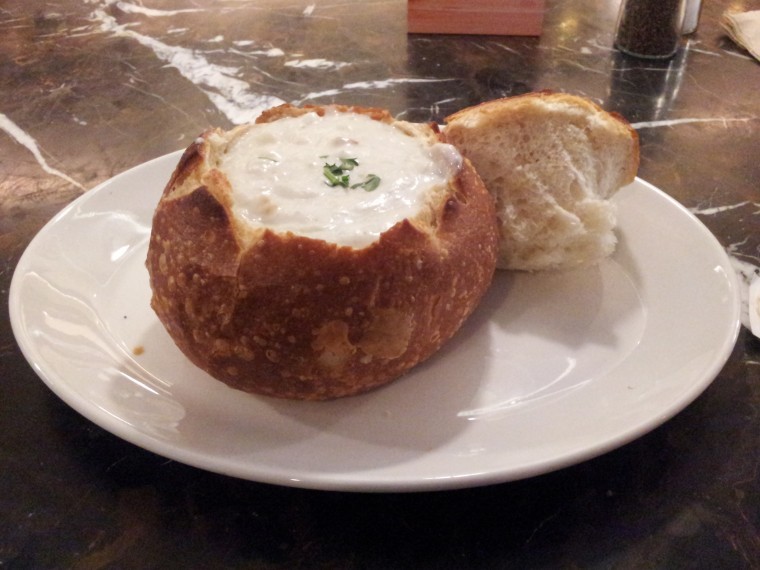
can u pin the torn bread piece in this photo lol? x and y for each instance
(551, 161)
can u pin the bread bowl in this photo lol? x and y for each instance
(552, 162)
(269, 299)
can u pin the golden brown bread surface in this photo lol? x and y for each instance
(296, 317)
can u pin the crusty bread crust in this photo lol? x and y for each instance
(294, 317)
(551, 161)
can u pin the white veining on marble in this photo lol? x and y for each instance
(674, 122)
(316, 63)
(377, 84)
(718, 209)
(384, 83)
(579, 65)
(268, 52)
(229, 94)
(595, 43)
(169, 104)
(130, 8)
(737, 54)
(506, 48)
(435, 107)
(27, 141)
(703, 51)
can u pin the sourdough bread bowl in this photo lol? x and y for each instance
(320, 252)
(552, 162)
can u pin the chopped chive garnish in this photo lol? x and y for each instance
(336, 175)
(370, 183)
(348, 163)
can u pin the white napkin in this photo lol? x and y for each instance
(754, 306)
(749, 292)
(744, 29)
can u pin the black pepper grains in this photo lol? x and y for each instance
(649, 28)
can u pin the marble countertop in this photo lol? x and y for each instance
(91, 88)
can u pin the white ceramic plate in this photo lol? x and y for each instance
(552, 369)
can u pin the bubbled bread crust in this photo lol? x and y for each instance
(294, 317)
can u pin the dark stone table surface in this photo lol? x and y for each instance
(90, 88)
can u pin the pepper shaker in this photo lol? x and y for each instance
(649, 28)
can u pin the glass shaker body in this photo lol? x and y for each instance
(649, 28)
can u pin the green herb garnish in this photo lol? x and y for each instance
(337, 175)
(348, 163)
(370, 183)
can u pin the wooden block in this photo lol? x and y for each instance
(492, 17)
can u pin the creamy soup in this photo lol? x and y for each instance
(342, 178)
